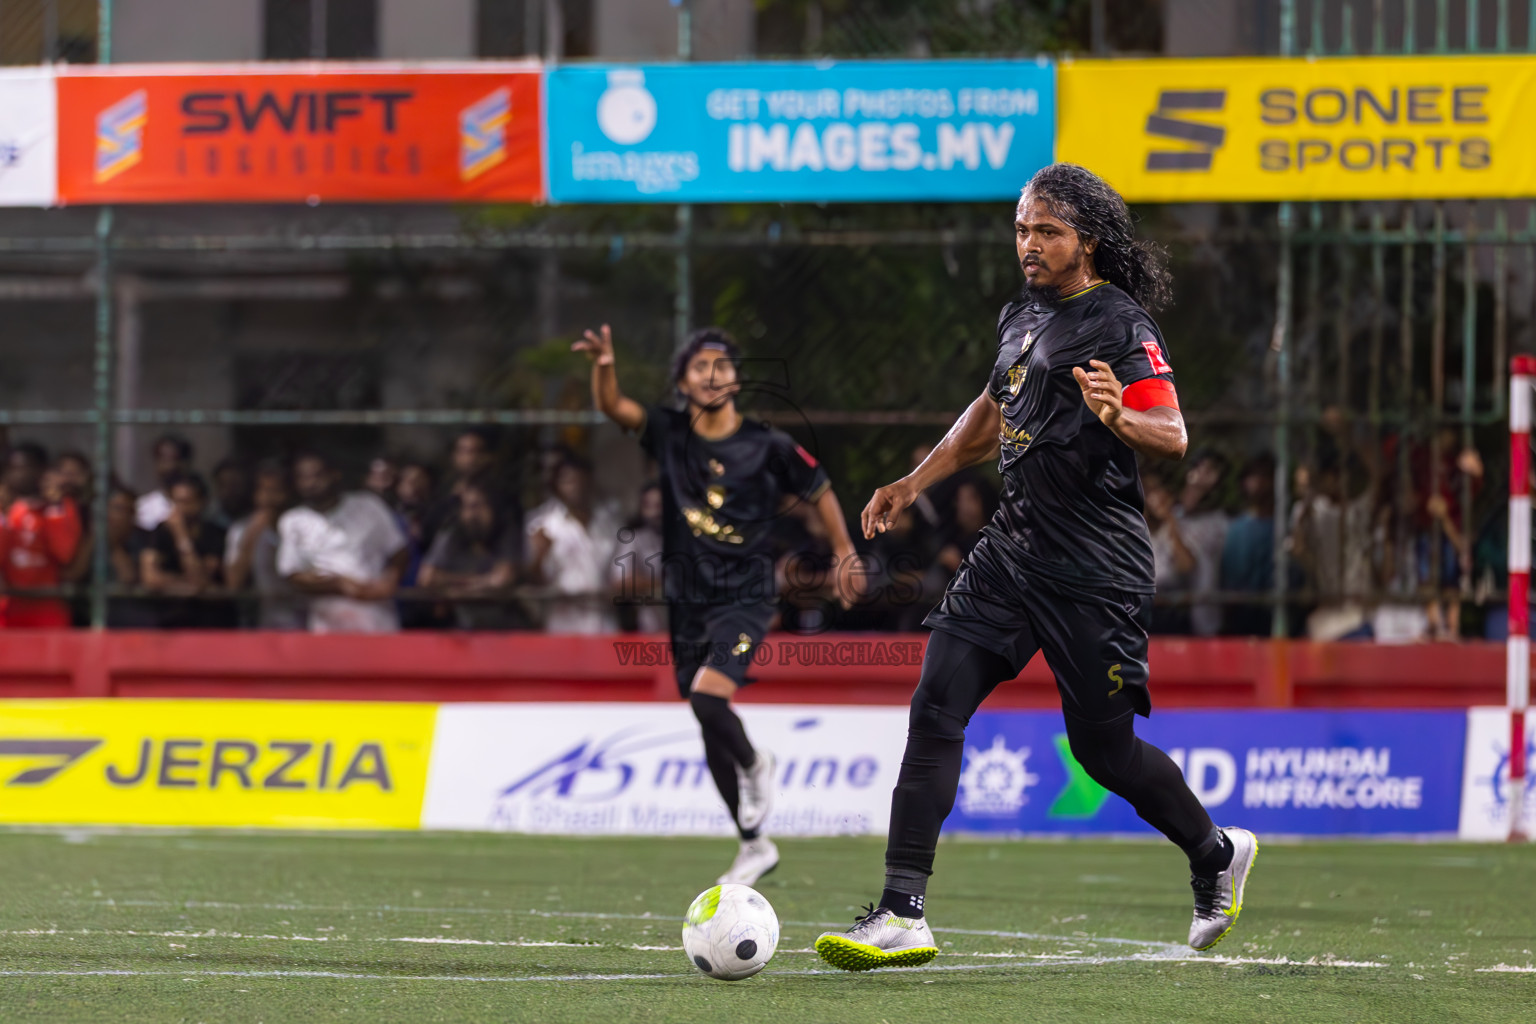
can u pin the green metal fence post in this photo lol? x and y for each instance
(1405, 342)
(104, 31)
(103, 370)
(682, 303)
(103, 433)
(1468, 370)
(1280, 342)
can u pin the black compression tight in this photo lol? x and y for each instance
(1130, 767)
(957, 677)
(725, 747)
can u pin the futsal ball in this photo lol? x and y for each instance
(730, 932)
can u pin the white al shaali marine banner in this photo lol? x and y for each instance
(605, 769)
(28, 140)
(1485, 779)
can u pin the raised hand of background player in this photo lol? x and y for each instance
(1101, 390)
(606, 396)
(883, 508)
(598, 347)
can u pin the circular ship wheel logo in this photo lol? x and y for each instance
(626, 113)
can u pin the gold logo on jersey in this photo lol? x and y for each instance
(1016, 436)
(701, 522)
(743, 644)
(1016, 375)
(716, 468)
(1029, 339)
(715, 495)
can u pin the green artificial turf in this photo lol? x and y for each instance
(206, 926)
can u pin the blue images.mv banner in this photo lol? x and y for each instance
(798, 132)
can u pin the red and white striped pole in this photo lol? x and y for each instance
(1517, 671)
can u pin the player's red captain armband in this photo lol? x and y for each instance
(1144, 394)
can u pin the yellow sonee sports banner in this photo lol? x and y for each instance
(293, 764)
(1331, 128)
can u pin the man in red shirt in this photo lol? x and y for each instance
(38, 538)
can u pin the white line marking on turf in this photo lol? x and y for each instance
(1090, 961)
(433, 940)
(189, 975)
(1037, 936)
(593, 915)
(443, 940)
(1506, 969)
(1164, 951)
(438, 940)
(209, 934)
(1239, 961)
(1178, 955)
(1106, 940)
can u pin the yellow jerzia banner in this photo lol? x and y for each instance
(290, 764)
(1333, 128)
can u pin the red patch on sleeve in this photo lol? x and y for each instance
(1155, 355)
(1144, 394)
(809, 459)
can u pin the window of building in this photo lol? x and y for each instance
(518, 28)
(507, 28)
(315, 29)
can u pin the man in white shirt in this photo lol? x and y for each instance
(173, 460)
(1331, 538)
(346, 549)
(1203, 525)
(571, 547)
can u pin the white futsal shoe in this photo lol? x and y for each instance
(756, 791)
(1219, 900)
(879, 939)
(755, 859)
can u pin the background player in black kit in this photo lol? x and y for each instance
(725, 479)
(1081, 385)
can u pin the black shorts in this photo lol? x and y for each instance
(1095, 641)
(720, 636)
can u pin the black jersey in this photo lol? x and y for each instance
(720, 499)
(1072, 503)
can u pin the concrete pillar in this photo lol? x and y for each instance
(413, 30)
(175, 30)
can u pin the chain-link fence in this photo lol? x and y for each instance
(379, 333)
(1360, 346)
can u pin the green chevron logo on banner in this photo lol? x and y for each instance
(1081, 797)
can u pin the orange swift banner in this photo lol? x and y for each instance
(346, 132)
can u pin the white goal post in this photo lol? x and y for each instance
(1517, 671)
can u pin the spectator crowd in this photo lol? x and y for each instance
(1383, 540)
(1380, 542)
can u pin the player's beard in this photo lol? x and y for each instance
(1048, 295)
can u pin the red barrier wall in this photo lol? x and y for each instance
(523, 667)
